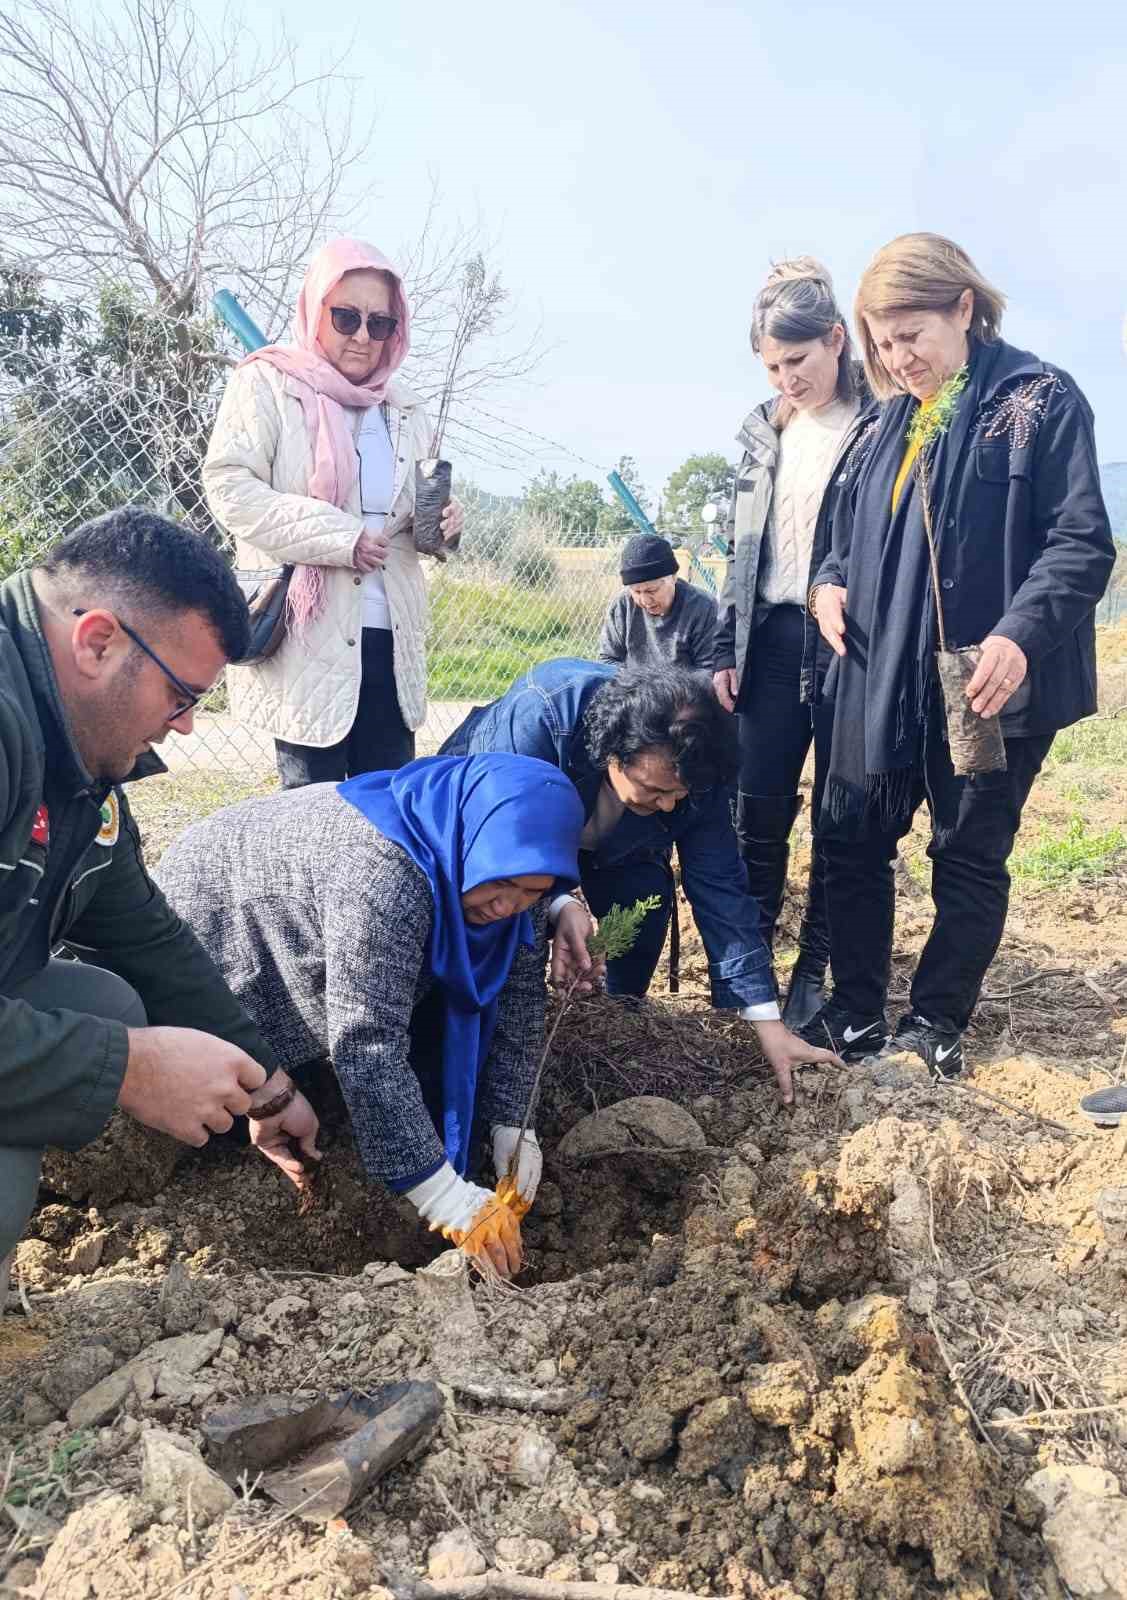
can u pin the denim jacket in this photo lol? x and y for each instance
(542, 715)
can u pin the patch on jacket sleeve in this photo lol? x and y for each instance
(41, 828)
(111, 821)
(1019, 411)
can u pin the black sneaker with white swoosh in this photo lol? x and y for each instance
(852, 1038)
(943, 1051)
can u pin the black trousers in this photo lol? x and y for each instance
(974, 825)
(604, 887)
(378, 741)
(776, 730)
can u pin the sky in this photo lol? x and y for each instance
(639, 166)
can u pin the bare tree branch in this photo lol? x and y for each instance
(136, 137)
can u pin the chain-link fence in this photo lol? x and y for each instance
(116, 404)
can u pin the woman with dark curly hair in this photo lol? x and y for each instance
(653, 756)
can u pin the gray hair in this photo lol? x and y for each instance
(797, 304)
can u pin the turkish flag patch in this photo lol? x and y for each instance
(41, 828)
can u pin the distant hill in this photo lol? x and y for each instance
(1113, 477)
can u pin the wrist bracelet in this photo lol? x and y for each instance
(272, 1107)
(812, 600)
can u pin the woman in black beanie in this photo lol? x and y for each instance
(658, 619)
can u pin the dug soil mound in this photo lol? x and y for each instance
(803, 1354)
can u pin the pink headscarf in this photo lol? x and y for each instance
(324, 392)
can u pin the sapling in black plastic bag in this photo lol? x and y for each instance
(475, 312)
(975, 742)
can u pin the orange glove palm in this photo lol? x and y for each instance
(493, 1233)
(509, 1195)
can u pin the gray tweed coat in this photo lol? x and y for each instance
(320, 925)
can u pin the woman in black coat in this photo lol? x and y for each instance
(1024, 553)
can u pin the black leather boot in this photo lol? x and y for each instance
(763, 824)
(804, 996)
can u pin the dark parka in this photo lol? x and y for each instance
(62, 884)
(1025, 545)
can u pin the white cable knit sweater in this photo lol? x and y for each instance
(808, 446)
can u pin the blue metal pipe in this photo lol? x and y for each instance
(241, 324)
(633, 509)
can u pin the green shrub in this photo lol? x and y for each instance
(532, 566)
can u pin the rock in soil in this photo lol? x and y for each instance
(645, 1120)
(455, 1555)
(78, 1372)
(174, 1476)
(531, 1459)
(528, 1556)
(182, 1304)
(185, 1354)
(85, 1554)
(1085, 1529)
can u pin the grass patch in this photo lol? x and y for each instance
(1097, 742)
(28, 1495)
(483, 635)
(165, 806)
(1075, 854)
(24, 1486)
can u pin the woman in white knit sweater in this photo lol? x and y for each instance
(768, 661)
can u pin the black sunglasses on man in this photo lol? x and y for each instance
(190, 698)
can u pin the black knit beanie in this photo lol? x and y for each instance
(646, 557)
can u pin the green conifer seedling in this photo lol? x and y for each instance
(618, 930)
(614, 936)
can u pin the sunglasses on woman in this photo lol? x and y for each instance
(346, 321)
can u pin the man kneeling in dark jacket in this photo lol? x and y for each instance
(652, 755)
(104, 647)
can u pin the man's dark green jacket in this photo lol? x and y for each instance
(72, 874)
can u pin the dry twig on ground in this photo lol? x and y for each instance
(1008, 1105)
(512, 1586)
(608, 1048)
(953, 1373)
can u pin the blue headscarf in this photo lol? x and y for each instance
(464, 821)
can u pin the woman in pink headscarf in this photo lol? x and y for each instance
(312, 465)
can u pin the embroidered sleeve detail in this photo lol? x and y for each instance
(1017, 413)
(858, 450)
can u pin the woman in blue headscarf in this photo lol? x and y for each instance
(398, 922)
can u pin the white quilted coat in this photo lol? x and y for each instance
(256, 478)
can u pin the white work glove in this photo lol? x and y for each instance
(531, 1160)
(476, 1220)
(448, 1202)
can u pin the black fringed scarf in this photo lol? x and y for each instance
(883, 686)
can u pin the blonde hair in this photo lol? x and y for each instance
(921, 272)
(795, 305)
